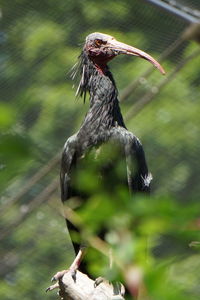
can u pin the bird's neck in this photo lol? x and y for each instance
(104, 109)
(104, 98)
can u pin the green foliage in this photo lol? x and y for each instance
(152, 233)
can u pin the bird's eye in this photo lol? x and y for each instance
(98, 42)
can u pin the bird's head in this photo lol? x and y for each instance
(101, 48)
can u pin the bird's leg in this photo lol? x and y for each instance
(72, 269)
(76, 263)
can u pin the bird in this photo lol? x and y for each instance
(103, 122)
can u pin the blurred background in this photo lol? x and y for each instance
(40, 42)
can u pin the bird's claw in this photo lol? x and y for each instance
(73, 274)
(119, 289)
(98, 281)
(58, 275)
(52, 287)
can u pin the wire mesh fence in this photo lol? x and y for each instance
(40, 43)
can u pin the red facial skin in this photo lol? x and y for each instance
(100, 56)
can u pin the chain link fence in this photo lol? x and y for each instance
(40, 43)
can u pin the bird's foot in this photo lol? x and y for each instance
(73, 269)
(52, 287)
(99, 280)
(118, 288)
(59, 275)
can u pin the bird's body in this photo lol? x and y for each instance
(104, 122)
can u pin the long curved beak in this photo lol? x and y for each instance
(121, 48)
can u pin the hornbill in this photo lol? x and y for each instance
(104, 121)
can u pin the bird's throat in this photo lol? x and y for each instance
(100, 63)
(101, 68)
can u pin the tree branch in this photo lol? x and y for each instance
(85, 288)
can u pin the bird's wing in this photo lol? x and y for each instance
(137, 171)
(67, 162)
(138, 175)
